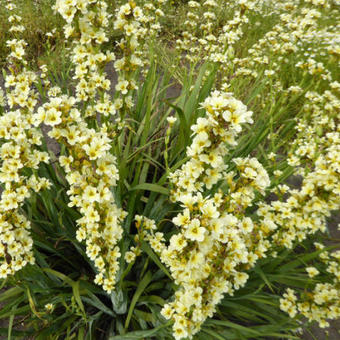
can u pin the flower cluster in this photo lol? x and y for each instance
(136, 24)
(85, 26)
(216, 243)
(198, 38)
(153, 13)
(203, 38)
(129, 21)
(88, 163)
(322, 303)
(91, 173)
(317, 155)
(146, 231)
(225, 114)
(292, 37)
(19, 158)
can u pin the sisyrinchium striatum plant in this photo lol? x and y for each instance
(171, 171)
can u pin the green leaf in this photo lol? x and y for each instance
(142, 285)
(139, 335)
(9, 293)
(144, 315)
(73, 284)
(20, 334)
(247, 308)
(95, 302)
(10, 324)
(151, 187)
(76, 293)
(152, 299)
(183, 127)
(59, 275)
(213, 333)
(81, 333)
(119, 300)
(283, 336)
(192, 103)
(263, 301)
(230, 324)
(259, 271)
(301, 260)
(146, 248)
(18, 311)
